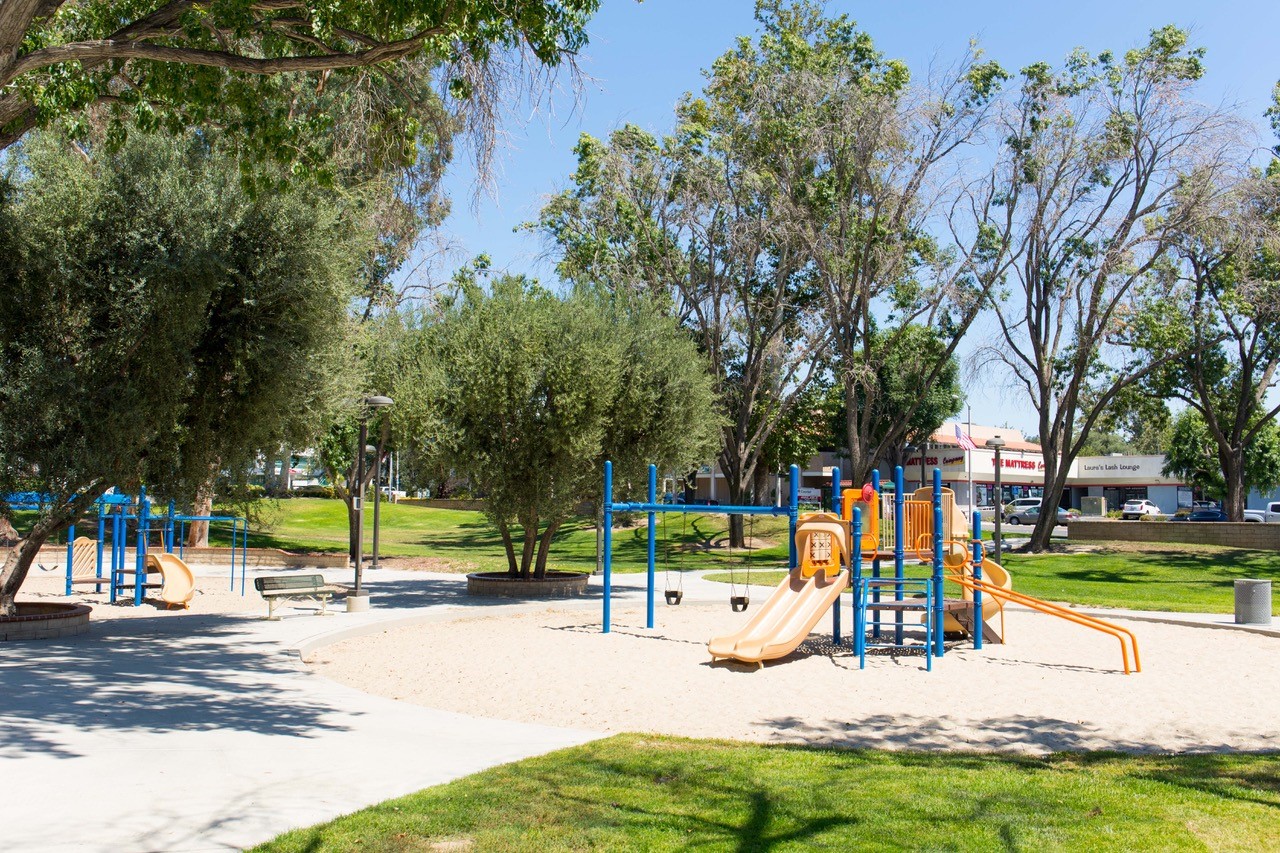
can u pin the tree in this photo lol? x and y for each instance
(535, 392)
(216, 63)
(687, 221)
(1194, 457)
(157, 323)
(1103, 163)
(866, 172)
(1218, 300)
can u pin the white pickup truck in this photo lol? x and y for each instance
(1271, 513)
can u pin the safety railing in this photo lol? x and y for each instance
(1042, 606)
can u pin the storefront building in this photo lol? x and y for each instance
(1114, 478)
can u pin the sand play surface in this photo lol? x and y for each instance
(1055, 686)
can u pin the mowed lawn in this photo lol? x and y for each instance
(465, 541)
(1138, 576)
(633, 792)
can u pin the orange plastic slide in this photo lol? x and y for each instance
(179, 583)
(784, 621)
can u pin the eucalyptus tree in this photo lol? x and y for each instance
(874, 188)
(158, 322)
(687, 221)
(1217, 301)
(1105, 162)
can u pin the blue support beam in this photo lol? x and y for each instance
(653, 530)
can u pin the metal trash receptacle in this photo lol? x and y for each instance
(1253, 602)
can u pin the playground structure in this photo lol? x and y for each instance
(848, 548)
(107, 560)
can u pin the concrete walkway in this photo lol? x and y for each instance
(205, 732)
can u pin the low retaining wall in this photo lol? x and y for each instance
(1236, 534)
(44, 621)
(443, 503)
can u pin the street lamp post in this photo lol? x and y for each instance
(996, 443)
(359, 600)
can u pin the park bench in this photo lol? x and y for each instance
(277, 588)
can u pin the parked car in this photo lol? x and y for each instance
(1019, 506)
(1195, 505)
(1136, 509)
(1254, 515)
(1032, 514)
(1272, 512)
(1202, 515)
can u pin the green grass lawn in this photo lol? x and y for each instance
(1186, 578)
(466, 540)
(647, 793)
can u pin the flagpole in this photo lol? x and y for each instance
(968, 455)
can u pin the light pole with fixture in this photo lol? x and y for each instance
(996, 443)
(358, 600)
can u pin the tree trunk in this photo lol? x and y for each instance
(530, 526)
(21, 554)
(513, 568)
(198, 532)
(1055, 481)
(760, 487)
(1233, 474)
(17, 562)
(544, 547)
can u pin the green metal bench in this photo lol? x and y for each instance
(278, 588)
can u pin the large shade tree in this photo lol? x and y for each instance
(157, 323)
(871, 174)
(236, 65)
(532, 393)
(1104, 162)
(1218, 301)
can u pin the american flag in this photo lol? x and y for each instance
(965, 441)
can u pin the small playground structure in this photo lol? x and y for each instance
(866, 543)
(121, 556)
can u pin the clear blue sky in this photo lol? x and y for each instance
(644, 56)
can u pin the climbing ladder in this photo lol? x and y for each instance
(909, 595)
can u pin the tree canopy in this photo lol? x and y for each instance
(157, 323)
(233, 64)
(534, 392)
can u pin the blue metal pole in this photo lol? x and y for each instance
(653, 531)
(168, 530)
(875, 561)
(977, 576)
(897, 552)
(140, 554)
(608, 542)
(936, 615)
(855, 575)
(115, 553)
(835, 507)
(793, 514)
(71, 552)
(102, 531)
(244, 553)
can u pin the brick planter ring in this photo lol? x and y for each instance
(45, 621)
(555, 585)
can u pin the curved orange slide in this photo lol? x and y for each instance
(179, 583)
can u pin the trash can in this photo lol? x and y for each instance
(1253, 602)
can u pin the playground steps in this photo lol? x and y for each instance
(910, 595)
(965, 618)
